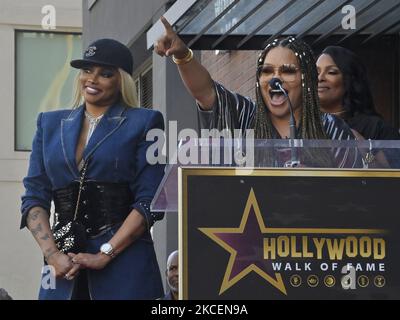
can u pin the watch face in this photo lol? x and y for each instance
(106, 248)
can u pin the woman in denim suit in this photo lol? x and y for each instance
(107, 135)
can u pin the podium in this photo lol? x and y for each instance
(305, 232)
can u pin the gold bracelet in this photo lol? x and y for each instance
(185, 59)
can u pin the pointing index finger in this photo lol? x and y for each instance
(166, 24)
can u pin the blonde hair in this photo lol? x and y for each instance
(127, 90)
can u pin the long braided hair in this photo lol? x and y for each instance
(311, 124)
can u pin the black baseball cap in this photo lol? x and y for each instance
(107, 52)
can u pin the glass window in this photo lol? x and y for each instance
(43, 78)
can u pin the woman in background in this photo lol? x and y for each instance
(344, 91)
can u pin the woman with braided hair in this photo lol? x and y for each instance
(289, 60)
(294, 60)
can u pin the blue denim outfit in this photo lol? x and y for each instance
(117, 150)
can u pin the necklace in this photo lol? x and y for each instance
(338, 112)
(93, 122)
(93, 118)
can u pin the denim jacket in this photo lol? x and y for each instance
(117, 151)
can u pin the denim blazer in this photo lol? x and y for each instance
(117, 151)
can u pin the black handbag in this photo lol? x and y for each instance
(71, 236)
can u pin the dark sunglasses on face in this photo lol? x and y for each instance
(287, 72)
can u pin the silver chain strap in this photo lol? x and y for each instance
(81, 180)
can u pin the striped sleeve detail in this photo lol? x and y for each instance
(231, 111)
(337, 129)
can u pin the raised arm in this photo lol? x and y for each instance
(195, 77)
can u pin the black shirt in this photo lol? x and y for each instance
(372, 127)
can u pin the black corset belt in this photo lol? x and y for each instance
(102, 204)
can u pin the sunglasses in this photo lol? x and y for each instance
(286, 72)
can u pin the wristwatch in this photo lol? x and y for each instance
(107, 249)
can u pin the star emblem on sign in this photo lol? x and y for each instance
(245, 246)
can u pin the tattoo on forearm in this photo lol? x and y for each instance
(49, 252)
(33, 215)
(37, 229)
(45, 237)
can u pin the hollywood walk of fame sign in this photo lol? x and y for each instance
(289, 234)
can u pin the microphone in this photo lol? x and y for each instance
(276, 84)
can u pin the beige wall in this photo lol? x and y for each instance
(20, 258)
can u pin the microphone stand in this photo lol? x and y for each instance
(294, 159)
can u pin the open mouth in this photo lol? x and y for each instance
(277, 97)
